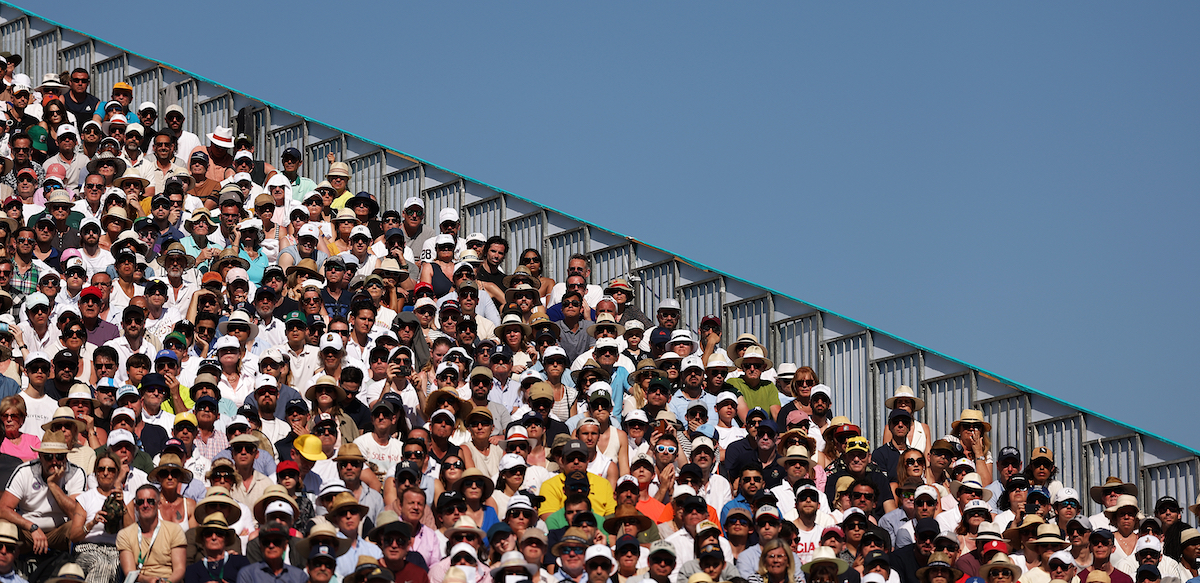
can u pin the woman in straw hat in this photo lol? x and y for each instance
(197, 244)
(170, 475)
(975, 435)
(824, 567)
(999, 570)
(939, 569)
(476, 489)
(17, 443)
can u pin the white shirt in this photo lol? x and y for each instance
(275, 429)
(124, 351)
(304, 363)
(592, 297)
(38, 412)
(163, 419)
(34, 501)
(39, 343)
(97, 264)
(384, 456)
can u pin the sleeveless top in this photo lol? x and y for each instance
(441, 284)
(917, 438)
(489, 464)
(614, 448)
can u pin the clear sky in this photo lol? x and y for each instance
(1013, 184)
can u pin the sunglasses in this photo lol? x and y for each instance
(667, 449)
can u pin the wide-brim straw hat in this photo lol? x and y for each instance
(1124, 500)
(131, 175)
(54, 442)
(940, 560)
(513, 320)
(612, 523)
(323, 530)
(488, 485)
(431, 402)
(1097, 492)
(1048, 534)
(465, 524)
(971, 416)
(605, 320)
(308, 269)
(754, 351)
(216, 520)
(93, 167)
(339, 394)
(64, 413)
(1013, 533)
(272, 493)
(824, 555)
(1000, 561)
(219, 495)
(904, 392)
(169, 461)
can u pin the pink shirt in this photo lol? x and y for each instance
(24, 451)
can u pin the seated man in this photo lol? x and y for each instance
(157, 549)
(39, 498)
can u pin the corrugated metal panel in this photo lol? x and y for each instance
(315, 157)
(847, 373)
(185, 97)
(448, 195)
(12, 36)
(109, 72)
(1110, 457)
(946, 397)
(1064, 437)
(798, 340)
(890, 373)
(1178, 479)
(288, 137)
(79, 55)
(610, 263)
(42, 56)
(748, 316)
(401, 186)
(260, 119)
(698, 300)
(484, 217)
(214, 112)
(146, 88)
(1009, 417)
(523, 232)
(366, 173)
(658, 283)
(560, 248)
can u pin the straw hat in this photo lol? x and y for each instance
(839, 424)
(573, 536)
(939, 560)
(605, 320)
(431, 402)
(308, 269)
(754, 351)
(54, 442)
(612, 523)
(270, 494)
(216, 520)
(514, 559)
(1000, 561)
(475, 474)
(326, 381)
(1048, 534)
(388, 521)
(521, 273)
(1123, 501)
(971, 416)
(169, 461)
(131, 175)
(324, 532)
(218, 495)
(65, 413)
(1097, 492)
(973, 481)
(904, 392)
(824, 555)
(239, 317)
(346, 500)
(1014, 531)
(594, 367)
(68, 573)
(513, 320)
(510, 293)
(465, 524)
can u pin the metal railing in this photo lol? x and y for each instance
(862, 365)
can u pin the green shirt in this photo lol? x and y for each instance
(765, 396)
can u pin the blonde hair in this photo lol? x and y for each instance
(776, 543)
(14, 402)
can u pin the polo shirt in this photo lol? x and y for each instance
(765, 396)
(600, 492)
(34, 501)
(261, 573)
(158, 554)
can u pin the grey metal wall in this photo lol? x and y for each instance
(863, 366)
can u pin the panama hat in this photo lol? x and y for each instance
(824, 555)
(612, 523)
(306, 268)
(218, 495)
(131, 175)
(217, 521)
(904, 392)
(754, 351)
(169, 461)
(487, 484)
(64, 413)
(68, 573)
(940, 560)
(273, 493)
(971, 416)
(1097, 492)
(326, 381)
(973, 481)
(1124, 500)
(325, 531)
(465, 524)
(605, 320)
(1029, 520)
(1048, 534)
(54, 442)
(513, 320)
(998, 562)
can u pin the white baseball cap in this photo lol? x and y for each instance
(414, 201)
(448, 214)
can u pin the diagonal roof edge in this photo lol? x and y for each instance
(999, 377)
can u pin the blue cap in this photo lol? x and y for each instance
(320, 550)
(769, 424)
(153, 380)
(165, 353)
(293, 152)
(206, 399)
(392, 233)
(757, 411)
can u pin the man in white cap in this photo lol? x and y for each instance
(186, 142)
(412, 220)
(220, 142)
(69, 156)
(448, 224)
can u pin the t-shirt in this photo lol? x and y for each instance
(765, 396)
(157, 555)
(39, 411)
(34, 500)
(92, 502)
(386, 456)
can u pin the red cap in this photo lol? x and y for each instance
(710, 318)
(211, 277)
(993, 546)
(421, 285)
(91, 290)
(29, 171)
(286, 465)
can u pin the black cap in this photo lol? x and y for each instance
(409, 468)
(693, 502)
(296, 404)
(250, 411)
(899, 414)
(692, 469)
(577, 481)
(626, 541)
(1164, 502)
(1101, 534)
(65, 355)
(1148, 572)
(927, 525)
(152, 380)
(1009, 452)
(876, 557)
(448, 498)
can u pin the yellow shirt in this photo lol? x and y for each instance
(158, 555)
(599, 492)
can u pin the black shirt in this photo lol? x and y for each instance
(83, 112)
(905, 563)
(886, 457)
(224, 570)
(287, 306)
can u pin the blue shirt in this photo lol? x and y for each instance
(738, 502)
(347, 562)
(257, 266)
(679, 404)
(260, 573)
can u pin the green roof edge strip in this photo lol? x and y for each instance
(1006, 380)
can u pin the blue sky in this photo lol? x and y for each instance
(1012, 184)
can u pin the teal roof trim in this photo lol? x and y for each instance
(698, 264)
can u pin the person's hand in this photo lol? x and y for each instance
(39, 541)
(600, 538)
(711, 338)
(667, 475)
(101, 518)
(298, 426)
(330, 157)
(494, 440)
(18, 336)
(518, 369)
(56, 475)
(172, 382)
(694, 423)
(393, 372)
